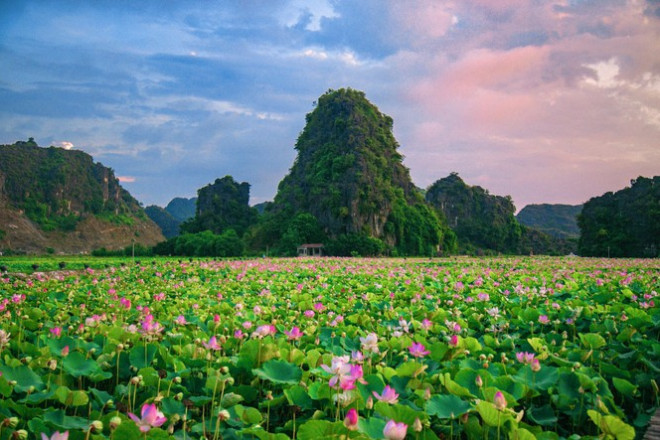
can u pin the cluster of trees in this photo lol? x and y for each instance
(623, 224)
(556, 220)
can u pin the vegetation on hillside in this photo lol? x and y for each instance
(165, 221)
(221, 206)
(55, 187)
(554, 219)
(485, 223)
(623, 224)
(181, 208)
(349, 177)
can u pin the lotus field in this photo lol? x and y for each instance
(461, 348)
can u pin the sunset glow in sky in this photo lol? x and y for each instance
(549, 101)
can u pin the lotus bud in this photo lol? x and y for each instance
(224, 369)
(581, 390)
(464, 418)
(223, 415)
(178, 396)
(115, 422)
(134, 380)
(417, 425)
(230, 381)
(427, 393)
(96, 426)
(370, 403)
(479, 381)
(499, 400)
(269, 395)
(52, 364)
(21, 434)
(177, 380)
(536, 365)
(12, 383)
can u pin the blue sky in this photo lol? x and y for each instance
(546, 101)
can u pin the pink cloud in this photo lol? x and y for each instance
(126, 179)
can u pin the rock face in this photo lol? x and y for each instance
(61, 201)
(349, 175)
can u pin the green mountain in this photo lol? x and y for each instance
(485, 223)
(181, 208)
(221, 206)
(556, 220)
(479, 219)
(348, 187)
(623, 224)
(61, 200)
(165, 221)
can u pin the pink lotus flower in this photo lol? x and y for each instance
(181, 320)
(543, 319)
(65, 351)
(525, 357)
(453, 342)
(394, 430)
(212, 344)
(351, 420)
(263, 331)
(294, 334)
(125, 303)
(56, 331)
(56, 436)
(151, 417)
(418, 350)
(388, 395)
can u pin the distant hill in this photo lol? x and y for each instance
(222, 205)
(181, 208)
(58, 200)
(623, 224)
(165, 221)
(556, 220)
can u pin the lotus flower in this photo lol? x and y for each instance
(151, 417)
(395, 431)
(418, 350)
(370, 343)
(212, 344)
(351, 419)
(294, 334)
(388, 395)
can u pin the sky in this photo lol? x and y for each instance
(548, 101)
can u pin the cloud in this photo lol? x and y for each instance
(65, 144)
(126, 179)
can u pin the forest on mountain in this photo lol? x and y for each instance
(625, 223)
(557, 220)
(485, 223)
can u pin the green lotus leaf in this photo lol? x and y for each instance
(25, 378)
(278, 371)
(624, 387)
(542, 415)
(76, 365)
(372, 427)
(141, 357)
(446, 406)
(62, 421)
(296, 395)
(170, 406)
(319, 429)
